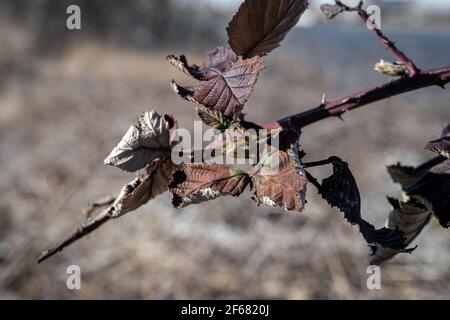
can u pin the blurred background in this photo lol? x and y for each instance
(67, 97)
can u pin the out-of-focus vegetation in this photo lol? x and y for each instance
(66, 97)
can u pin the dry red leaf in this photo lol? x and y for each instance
(219, 59)
(259, 25)
(280, 180)
(196, 183)
(225, 91)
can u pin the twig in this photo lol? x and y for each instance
(106, 201)
(390, 46)
(317, 163)
(87, 227)
(416, 79)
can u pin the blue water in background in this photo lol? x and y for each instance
(352, 49)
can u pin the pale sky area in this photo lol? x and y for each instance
(429, 4)
(309, 19)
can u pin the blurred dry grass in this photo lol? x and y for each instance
(59, 117)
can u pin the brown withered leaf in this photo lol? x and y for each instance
(142, 189)
(330, 11)
(259, 26)
(433, 189)
(280, 180)
(217, 60)
(226, 91)
(410, 216)
(196, 183)
(341, 191)
(143, 142)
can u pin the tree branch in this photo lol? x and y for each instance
(415, 80)
(87, 227)
(390, 46)
(336, 108)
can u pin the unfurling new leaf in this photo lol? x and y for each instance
(395, 69)
(213, 118)
(260, 25)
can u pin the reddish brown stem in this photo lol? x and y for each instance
(416, 79)
(390, 46)
(336, 108)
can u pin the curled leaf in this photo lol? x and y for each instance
(259, 25)
(142, 143)
(142, 189)
(411, 213)
(225, 91)
(406, 176)
(410, 216)
(433, 189)
(330, 11)
(219, 59)
(341, 191)
(280, 180)
(196, 183)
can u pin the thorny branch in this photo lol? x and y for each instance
(336, 108)
(415, 80)
(412, 79)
